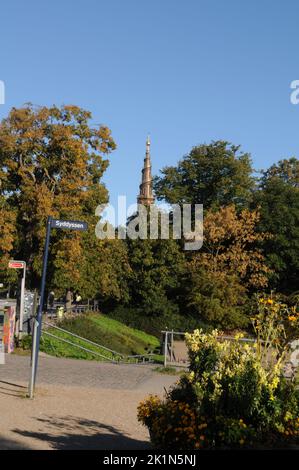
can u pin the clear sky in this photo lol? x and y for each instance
(187, 72)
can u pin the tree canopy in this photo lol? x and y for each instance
(51, 163)
(214, 175)
(277, 198)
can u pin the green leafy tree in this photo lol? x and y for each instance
(215, 175)
(278, 202)
(157, 267)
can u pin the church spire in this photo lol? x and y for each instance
(145, 196)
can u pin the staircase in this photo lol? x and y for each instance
(102, 352)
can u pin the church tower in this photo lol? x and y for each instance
(145, 196)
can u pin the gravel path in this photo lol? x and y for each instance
(78, 404)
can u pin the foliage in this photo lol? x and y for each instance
(136, 318)
(228, 399)
(168, 370)
(8, 232)
(101, 330)
(157, 267)
(228, 266)
(51, 163)
(277, 324)
(278, 201)
(58, 348)
(214, 175)
(102, 269)
(217, 298)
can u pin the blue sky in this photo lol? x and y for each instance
(187, 72)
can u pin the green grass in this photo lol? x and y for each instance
(168, 370)
(101, 330)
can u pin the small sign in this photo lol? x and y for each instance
(16, 264)
(69, 224)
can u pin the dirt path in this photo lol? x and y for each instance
(78, 405)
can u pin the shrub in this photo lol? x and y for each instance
(136, 318)
(231, 397)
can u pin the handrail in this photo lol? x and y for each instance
(115, 353)
(232, 338)
(84, 339)
(80, 347)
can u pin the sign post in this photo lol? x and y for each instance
(13, 264)
(58, 224)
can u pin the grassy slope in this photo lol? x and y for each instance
(102, 330)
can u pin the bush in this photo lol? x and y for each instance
(153, 325)
(228, 399)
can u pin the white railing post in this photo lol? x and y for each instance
(165, 348)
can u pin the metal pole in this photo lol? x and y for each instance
(22, 302)
(33, 357)
(41, 300)
(172, 352)
(165, 349)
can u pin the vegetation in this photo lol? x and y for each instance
(101, 330)
(52, 162)
(233, 396)
(214, 175)
(278, 201)
(135, 318)
(168, 370)
(227, 268)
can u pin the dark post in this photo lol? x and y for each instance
(42, 295)
(58, 224)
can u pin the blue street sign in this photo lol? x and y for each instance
(69, 224)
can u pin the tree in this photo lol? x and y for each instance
(51, 163)
(227, 268)
(157, 267)
(7, 231)
(278, 200)
(102, 270)
(215, 175)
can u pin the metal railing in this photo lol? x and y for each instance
(82, 307)
(116, 356)
(168, 344)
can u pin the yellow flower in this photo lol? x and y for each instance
(292, 318)
(239, 335)
(241, 441)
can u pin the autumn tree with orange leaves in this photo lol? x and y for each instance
(51, 163)
(7, 231)
(228, 267)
